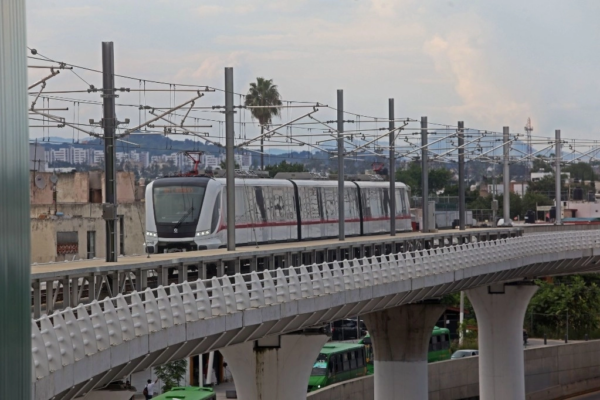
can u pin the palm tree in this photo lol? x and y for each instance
(263, 93)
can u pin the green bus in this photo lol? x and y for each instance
(338, 362)
(439, 347)
(188, 393)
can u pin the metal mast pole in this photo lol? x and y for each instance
(392, 173)
(506, 177)
(15, 285)
(229, 139)
(424, 176)
(109, 124)
(461, 318)
(558, 219)
(340, 149)
(461, 177)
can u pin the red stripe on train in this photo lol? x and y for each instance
(293, 223)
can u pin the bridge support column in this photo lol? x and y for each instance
(275, 367)
(500, 310)
(400, 338)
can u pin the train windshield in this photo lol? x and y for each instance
(320, 366)
(178, 204)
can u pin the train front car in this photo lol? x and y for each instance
(180, 214)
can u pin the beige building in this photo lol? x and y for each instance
(66, 216)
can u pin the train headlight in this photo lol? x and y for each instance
(202, 233)
(151, 234)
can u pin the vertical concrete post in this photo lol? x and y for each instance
(461, 176)
(558, 217)
(400, 338)
(506, 177)
(424, 176)
(15, 296)
(500, 310)
(392, 168)
(275, 367)
(229, 151)
(340, 153)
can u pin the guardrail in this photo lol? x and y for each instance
(69, 335)
(93, 280)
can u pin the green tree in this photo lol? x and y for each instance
(546, 184)
(224, 165)
(531, 200)
(284, 166)
(171, 374)
(540, 165)
(576, 295)
(438, 178)
(582, 171)
(263, 93)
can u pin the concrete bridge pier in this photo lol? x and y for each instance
(275, 367)
(400, 338)
(500, 310)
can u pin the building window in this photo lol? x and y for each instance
(67, 243)
(121, 235)
(91, 244)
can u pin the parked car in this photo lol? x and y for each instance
(345, 329)
(464, 353)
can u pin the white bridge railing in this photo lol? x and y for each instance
(69, 335)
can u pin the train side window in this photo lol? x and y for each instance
(435, 343)
(346, 361)
(260, 203)
(337, 363)
(214, 223)
(400, 206)
(360, 361)
(352, 357)
(386, 202)
(431, 343)
(445, 341)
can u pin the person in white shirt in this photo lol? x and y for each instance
(149, 389)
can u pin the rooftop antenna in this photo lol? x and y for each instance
(528, 129)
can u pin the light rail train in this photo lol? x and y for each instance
(190, 213)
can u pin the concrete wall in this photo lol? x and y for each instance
(75, 187)
(551, 372)
(82, 218)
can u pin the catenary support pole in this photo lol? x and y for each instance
(400, 337)
(230, 172)
(500, 311)
(109, 123)
(392, 169)
(506, 177)
(340, 149)
(558, 218)
(424, 175)
(461, 318)
(461, 177)
(15, 297)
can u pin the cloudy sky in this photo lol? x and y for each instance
(489, 63)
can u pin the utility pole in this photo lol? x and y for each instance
(392, 168)
(461, 178)
(229, 139)
(340, 149)
(15, 265)
(558, 218)
(424, 176)
(109, 123)
(461, 318)
(506, 177)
